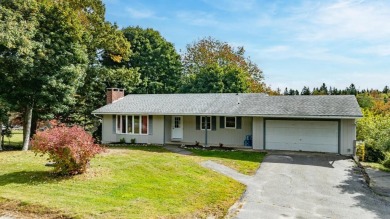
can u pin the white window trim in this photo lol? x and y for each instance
(235, 122)
(208, 118)
(132, 125)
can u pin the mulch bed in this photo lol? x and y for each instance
(211, 148)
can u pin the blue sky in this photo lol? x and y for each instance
(295, 42)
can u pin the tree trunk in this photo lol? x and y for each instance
(1, 136)
(27, 130)
(24, 125)
(34, 124)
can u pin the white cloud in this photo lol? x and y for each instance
(232, 5)
(332, 20)
(378, 50)
(285, 52)
(198, 18)
(277, 49)
(140, 14)
(350, 20)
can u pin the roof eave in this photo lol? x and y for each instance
(244, 115)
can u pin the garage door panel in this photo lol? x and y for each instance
(320, 136)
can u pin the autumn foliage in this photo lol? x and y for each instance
(71, 148)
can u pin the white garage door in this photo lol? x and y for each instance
(319, 136)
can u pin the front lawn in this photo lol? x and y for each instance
(138, 182)
(16, 139)
(245, 162)
(377, 166)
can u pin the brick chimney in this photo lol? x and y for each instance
(114, 94)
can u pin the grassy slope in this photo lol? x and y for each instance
(126, 183)
(376, 166)
(16, 139)
(243, 161)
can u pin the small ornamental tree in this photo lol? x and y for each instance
(71, 148)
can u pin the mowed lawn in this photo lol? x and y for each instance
(16, 139)
(246, 162)
(138, 182)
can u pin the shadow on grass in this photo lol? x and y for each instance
(149, 148)
(231, 155)
(30, 177)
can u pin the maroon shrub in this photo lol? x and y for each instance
(70, 148)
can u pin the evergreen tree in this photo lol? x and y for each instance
(323, 89)
(351, 90)
(305, 91)
(386, 89)
(286, 91)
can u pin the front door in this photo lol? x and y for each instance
(177, 128)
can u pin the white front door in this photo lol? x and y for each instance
(177, 128)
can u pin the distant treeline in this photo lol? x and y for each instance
(324, 90)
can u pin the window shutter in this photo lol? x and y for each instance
(150, 125)
(222, 122)
(197, 122)
(213, 123)
(238, 120)
(114, 124)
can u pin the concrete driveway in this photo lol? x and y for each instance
(307, 185)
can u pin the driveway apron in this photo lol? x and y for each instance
(308, 185)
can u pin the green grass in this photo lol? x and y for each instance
(138, 182)
(377, 166)
(16, 139)
(243, 161)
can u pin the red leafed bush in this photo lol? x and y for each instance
(71, 148)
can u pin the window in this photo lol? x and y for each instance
(123, 125)
(132, 124)
(118, 124)
(205, 123)
(144, 129)
(136, 124)
(177, 122)
(129, 124)
(230, 122)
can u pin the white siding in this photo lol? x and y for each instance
(156, 137)
(108, 135)
(347, 136)
(258, 133)
(228, 137)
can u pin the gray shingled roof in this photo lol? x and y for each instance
(235, 104)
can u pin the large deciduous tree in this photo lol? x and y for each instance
(216, 79)
(208, 52)
(156, 59)
(42, 56)
(105, 44)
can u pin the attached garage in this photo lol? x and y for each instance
(323, 123)
(302, 135)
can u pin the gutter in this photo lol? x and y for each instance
(244, 115)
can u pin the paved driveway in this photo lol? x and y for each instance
(297, 185)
